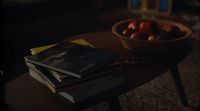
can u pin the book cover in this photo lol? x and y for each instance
(59, 76)
(72, 59)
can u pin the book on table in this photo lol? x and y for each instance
(74, 89)
(59, 76)
(72, 59)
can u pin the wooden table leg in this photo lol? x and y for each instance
(114, 104)
(176, 76)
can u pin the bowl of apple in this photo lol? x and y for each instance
(145, 35)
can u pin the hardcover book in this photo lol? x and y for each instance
(72, 59)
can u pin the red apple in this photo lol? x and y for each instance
(171, 28)
(128, 32)
(171, 31)
(137, 35)
(153, 37)
(148, 27)
(133, 25)
(164, 35)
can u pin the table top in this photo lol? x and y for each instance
(24, 93)
(138, 75)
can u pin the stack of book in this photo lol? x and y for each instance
(75, 70)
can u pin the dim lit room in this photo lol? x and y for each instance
(100, 55)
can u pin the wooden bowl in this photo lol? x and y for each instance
(158, 46)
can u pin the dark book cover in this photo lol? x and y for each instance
(72, 59)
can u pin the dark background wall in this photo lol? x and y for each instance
(30, 23)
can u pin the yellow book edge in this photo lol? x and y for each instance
(42, 48)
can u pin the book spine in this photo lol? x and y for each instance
(36, 74)
(53, 68)
(41, 80)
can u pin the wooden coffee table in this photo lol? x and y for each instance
(26, 94)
